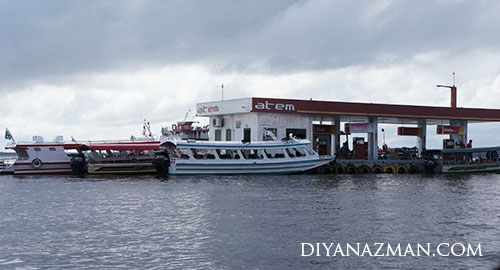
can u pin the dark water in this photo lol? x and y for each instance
(242, 222)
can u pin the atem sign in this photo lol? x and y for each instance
(207, 109)
(265, 105)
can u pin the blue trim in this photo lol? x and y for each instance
(251, 168)
(250, 173)
(240, 164)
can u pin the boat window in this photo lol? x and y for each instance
(252, 154)
(234, 154)
(299, 151)
(52, 149)
(290, 152)
(37, 149)
(226, 154)
(309, 151)
(22, 154)
(274, 153)
(202, 153)
(181, 153)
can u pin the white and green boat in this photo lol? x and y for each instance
(230, 158)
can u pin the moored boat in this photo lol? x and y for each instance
(464, 160)
(230, 158)
(39, 157)
(131, 157)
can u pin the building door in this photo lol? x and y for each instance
(246, 134)
(218, 135)
(228, 135)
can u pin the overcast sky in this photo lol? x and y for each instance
(95, 69)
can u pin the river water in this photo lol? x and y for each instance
(244, 222)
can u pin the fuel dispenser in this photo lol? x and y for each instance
(360, 148)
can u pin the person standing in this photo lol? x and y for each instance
(469, 145)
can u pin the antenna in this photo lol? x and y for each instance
(185, 116)
(453, 89)
(222, 88)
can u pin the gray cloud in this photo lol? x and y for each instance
(50, 40)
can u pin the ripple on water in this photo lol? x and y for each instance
(241, 222)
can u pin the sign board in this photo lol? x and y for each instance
(224, 107)
(358, 128)
(409, 131)
(440, 129)
(324, 129)
(273, 106)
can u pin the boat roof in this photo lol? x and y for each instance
(468, 150)
(92, 145)
(124, 146)
(25, 145)
(237, 144)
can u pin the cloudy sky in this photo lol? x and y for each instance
(95, 69)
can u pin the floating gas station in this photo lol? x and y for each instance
(325, 123)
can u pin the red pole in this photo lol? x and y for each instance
(453, 96)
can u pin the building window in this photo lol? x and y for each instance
(238, 124)
(218, 135)
(267, 137)
(228, 135)
(297, 132)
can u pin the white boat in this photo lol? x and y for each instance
(230, 158)
(39, 157)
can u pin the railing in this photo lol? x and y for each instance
(6, 162)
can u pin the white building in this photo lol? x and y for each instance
(232, 120)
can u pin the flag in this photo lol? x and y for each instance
(8, 135)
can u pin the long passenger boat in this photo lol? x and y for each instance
(464, 160)
(230, 158)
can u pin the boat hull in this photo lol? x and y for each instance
(121, 168)
(221, 168)
(20, 168)
(491, 167)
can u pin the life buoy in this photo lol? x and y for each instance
(339, 169)
(389, 169)
(36, 163)
(414, 170)
(364, 169)
(377, 169)
(174, 127)
(351, 169)
(401, 169)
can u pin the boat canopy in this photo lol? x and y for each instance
(123, 146)
(470, 150)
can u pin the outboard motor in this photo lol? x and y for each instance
(78, 165)
(161, 163)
